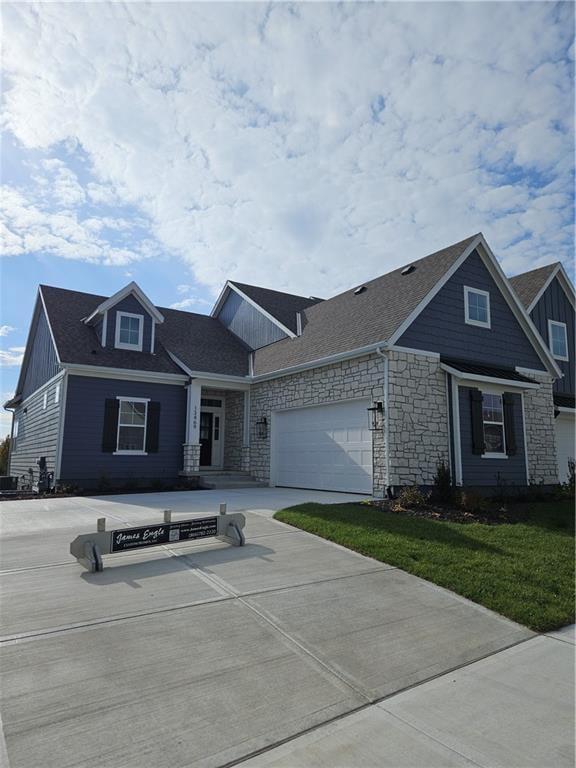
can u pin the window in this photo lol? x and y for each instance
(129, 331)
(57, 393)
(15, 429)
(476, 307)
(209, 402)
(45, 401)
(493, 423)
(558, 339)
(132, 416)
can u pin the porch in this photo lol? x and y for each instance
(217, 430)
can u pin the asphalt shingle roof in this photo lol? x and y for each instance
(201, 342)
(528, 284)
(282, 306)
(351, 321)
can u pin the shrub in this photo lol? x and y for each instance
(4, 451)
(443, 490)
(567, 489)
(410, 497)
(471, 501)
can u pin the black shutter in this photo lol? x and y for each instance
(110, 425)
(153, 428)
(477, 421)
(509, 432)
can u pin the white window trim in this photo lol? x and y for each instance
(495, 454)
(563, 326)
(45, 400)
(57, 393)
(469, 321)
(117, 343)
(131, 400)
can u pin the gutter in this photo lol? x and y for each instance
(384, 355)
(321, 361)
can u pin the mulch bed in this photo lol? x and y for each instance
(493, 515)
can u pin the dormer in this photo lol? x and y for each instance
(126, 321)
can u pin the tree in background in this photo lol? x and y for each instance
(4, 449)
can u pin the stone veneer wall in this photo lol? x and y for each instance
(418, 418)
(361, 377)
(540, 431)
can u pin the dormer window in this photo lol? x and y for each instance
(129, 331)
(476, 307)
(558, 339)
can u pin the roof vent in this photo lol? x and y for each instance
(408, 269)
(360, 289)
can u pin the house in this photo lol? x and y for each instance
(438, 361)
(548, 296)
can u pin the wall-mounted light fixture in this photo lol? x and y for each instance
(376, 412)
(262, 427)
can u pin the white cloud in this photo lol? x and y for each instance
(12, 356)
(302, 146)
(6, 329)
(191, 303)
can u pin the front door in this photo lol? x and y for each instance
(206, 435)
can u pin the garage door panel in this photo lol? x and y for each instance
(326, 447)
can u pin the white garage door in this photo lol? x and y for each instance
(564, 424)
(326, 447)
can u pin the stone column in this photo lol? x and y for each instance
(540, 430)
(191, 463)
(245, 460)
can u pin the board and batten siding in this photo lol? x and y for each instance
(441, 326)
(129, 304)
(38, 430)
(246, 322)
(554, 305)
(477, 471)
(83, 460)
(42, 364)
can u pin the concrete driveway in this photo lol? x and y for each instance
(204, 654)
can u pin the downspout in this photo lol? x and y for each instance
(384, 355)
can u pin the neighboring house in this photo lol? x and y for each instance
(548, 296)
(437, 361)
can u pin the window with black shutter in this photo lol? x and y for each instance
(477, 423)
(508, 401)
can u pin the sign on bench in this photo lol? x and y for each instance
(88, 548)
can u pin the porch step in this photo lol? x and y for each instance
(228, 480)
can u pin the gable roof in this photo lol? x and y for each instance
(134, 289)
(282, 306)
(384, 308)
(531, 286)
(201, 342)
(354, 320)
(528, 284)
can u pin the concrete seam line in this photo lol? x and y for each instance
(33, 634)
(429, 736)
(284, 587)
(379, 702)
(558, 639)
(332, 672)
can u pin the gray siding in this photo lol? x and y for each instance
(246, 322)
(84, 462)
(479, 471)
(441, 327)
(42, 363)
(129, 304)
(554, 305)
(37, 431)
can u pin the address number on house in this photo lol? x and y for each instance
(134, 538)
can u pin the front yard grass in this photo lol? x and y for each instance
(524, 571)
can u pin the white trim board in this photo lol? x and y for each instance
(462, 376)
(131, 288)
(565, 284)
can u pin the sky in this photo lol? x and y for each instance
(305, 147)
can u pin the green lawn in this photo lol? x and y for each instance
(524, 571)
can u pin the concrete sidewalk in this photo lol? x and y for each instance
(514, 709)
(199, 654)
